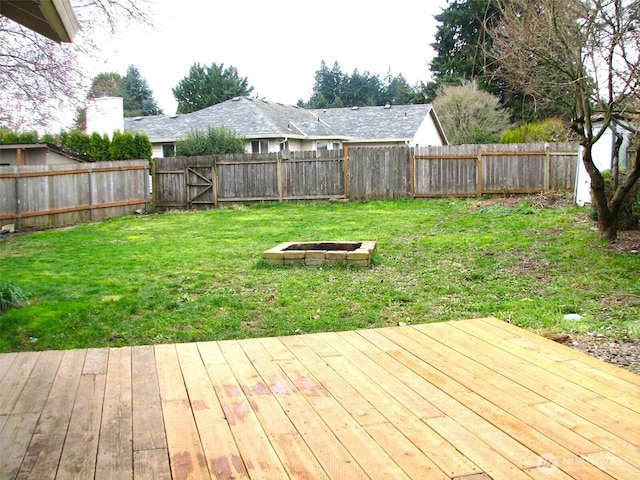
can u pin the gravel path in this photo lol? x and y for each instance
(622, 353)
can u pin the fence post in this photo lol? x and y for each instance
(154, 184)
(89, 170)
(17, 183)
(146, 188)
(547, 167)
(345, 171)
(412, 173)
(279, 176)
(214, 180)
(479, 171)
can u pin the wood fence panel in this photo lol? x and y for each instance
(169, 185)
(247, 177)
(379, 172)
(446, 171)
(371, 173)
(311, 177)
(563, 167)
(54, 195)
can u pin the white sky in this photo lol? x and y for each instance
(278, 45)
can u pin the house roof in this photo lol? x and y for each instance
(256, 118)
(397, 122)
(52, 18)
(249, 117)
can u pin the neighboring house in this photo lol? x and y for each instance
(36, 154)
(603, 156)
(273, 127)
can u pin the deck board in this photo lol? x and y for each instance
(472, 399)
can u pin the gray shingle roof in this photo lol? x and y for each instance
(376, 123)
(252, 118)
(255, 118)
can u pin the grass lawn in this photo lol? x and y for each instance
(199, 276)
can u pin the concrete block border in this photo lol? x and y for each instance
(319, 253)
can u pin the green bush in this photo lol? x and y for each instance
(10, 296)
(142, 146)
(95, 146)
(212, 142)
(8, 137)
(552, 130)
(99, 146)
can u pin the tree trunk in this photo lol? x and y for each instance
(607, 222)
(608, 210)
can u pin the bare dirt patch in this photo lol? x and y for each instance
(628, 241)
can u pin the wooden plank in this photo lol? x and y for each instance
(16, 433)
(512, 449)
(260, 459)
(151, 465)
(328, 450)
(218, 444)
(572, 395)
(14, 440)
(36, 389)
(593, 432)
(551, 358)
(500, 409)
(475, 449)
(381, 387)
(96, 361)
(296, 457)
(345, 426)
(43, 454)
(147, 420)
(78, 459)
(186, 455)
(15, 380)
(115, 446)
(550, 348)
(6, 360)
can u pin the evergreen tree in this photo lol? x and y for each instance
(205, 86)
(138, 97)
(334, 89)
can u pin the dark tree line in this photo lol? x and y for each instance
(334, 88)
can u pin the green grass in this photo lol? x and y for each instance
(199, 276)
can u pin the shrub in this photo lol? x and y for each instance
(142, 146)
(99, 146)
(551, 130)
(212, 142)
(10, 296)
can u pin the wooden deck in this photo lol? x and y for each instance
(474, 399)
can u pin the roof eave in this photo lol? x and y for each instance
(53, 19)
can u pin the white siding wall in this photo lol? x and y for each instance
(427, 134)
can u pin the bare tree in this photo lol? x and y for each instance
(586, 54)
(40, 78)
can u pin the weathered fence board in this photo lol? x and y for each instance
(54, 195)
(313, 175)
(379, 172)
(364, 173)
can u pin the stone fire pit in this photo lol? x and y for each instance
(317, 253)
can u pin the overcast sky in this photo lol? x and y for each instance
(278, 45)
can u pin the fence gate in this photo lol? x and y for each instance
(201, 185)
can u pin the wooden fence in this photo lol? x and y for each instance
(363, 173)
(55, 195)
